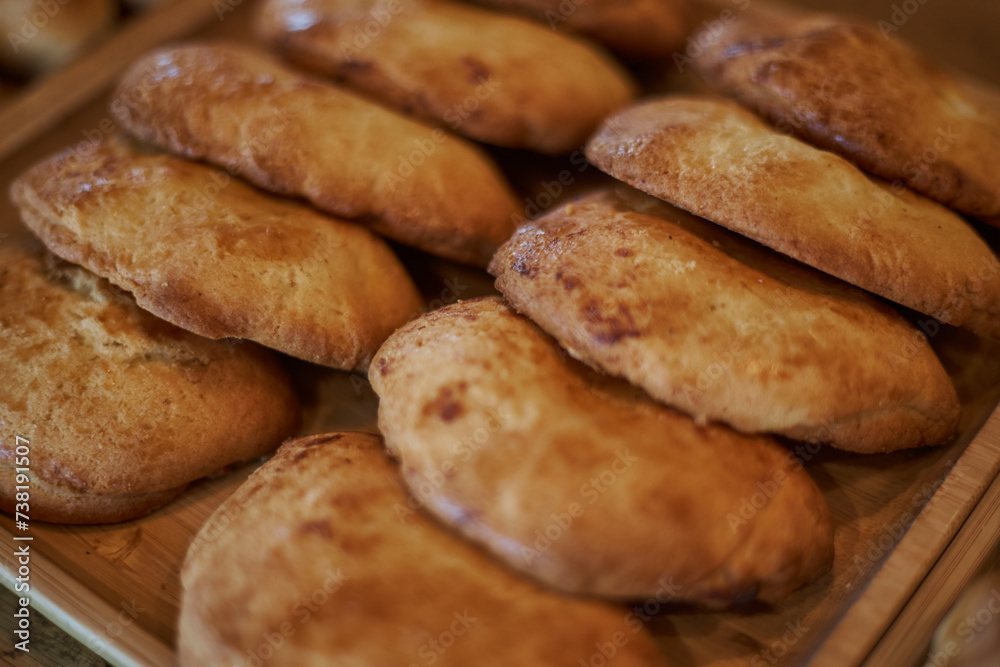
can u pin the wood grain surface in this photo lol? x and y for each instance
(116, 587)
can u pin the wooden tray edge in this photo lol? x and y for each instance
(865, 621)
(906, 639)
(64, 91)
(107, 631)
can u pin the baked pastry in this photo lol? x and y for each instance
(848, 87)
(114, 410)
(967, 637)
(723, 329)
(500, 79)
(641, 28)
(721, 162)
(215, 256)
(237, 108)
(580, 480)
(311, 560)
(41, 35)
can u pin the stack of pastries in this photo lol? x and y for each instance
(585, 438)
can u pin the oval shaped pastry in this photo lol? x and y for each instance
(209, 253)
(237, 108)
(723, 163)
(492, 77)
(641, 28)
(719, 327)
(850, 88)
(580, 480)
(112, 410)
(311, 563)
(40, 35)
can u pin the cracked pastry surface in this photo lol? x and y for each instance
(240, 109)
(121, 410)
(580, 480)
(721, 162)
(848, 88)
(213, 255)
(723, 329)
(490, 76)
(316, 534)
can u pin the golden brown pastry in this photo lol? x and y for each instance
(492, 77)
(642, 28)
(217, 257)
(723, 329)
(112, 410)
(239, 109)
(848, 87)
(40, 35)
(580, 480)
(310, 561)
(721, 162)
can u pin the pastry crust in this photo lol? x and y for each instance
(500, 79)
(320, 551)
(120, 409)
(723, 329)
(580, 480)
(640, 28)
(847, 88)
(217, 257)
(40, 36)
(239, 109)
(723, 163)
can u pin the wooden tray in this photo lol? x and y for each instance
(116, 588)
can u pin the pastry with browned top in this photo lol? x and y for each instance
(239, 109)
(213, 255)
(112, 411)
(309, 563)
(720, 161)
(582, 481)
(492, 77)
(724, 329)
(848, 87)
(641, 28)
